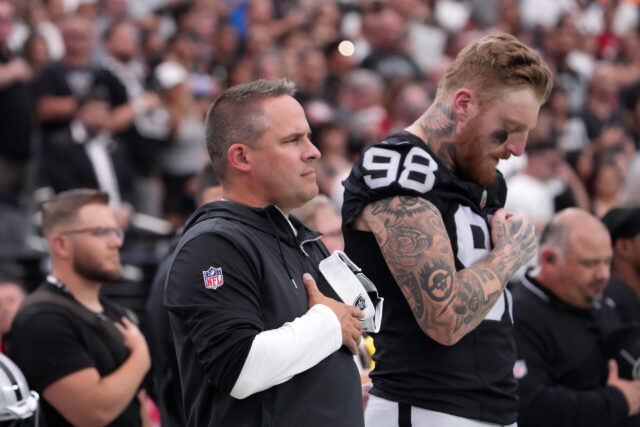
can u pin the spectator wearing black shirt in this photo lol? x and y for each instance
(87, 372)
(91, 158)
(561, 324)
(62, 83)
(624, 286)
(388, 58)
(137, 119)
(15, 113)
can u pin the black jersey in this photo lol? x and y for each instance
(473, 378)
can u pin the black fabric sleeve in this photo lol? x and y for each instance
(544, 403)
(221, 323)
(47, 347)
(117, 92)
(51, 82)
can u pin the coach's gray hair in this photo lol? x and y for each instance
(236, 116)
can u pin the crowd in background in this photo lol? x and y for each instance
(112, 94)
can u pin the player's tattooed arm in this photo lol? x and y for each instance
(446, 303)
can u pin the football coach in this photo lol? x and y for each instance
(257, 343)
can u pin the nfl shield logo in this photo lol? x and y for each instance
(213, 278)
(520, 369)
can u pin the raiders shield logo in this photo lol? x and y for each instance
(360, 303)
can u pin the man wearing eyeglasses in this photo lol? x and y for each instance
(80, 351)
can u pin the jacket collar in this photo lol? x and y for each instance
(269, 219)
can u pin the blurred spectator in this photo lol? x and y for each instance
(361, 89)
(226, 49)
(331, 139)
(11, 295)
(561, 323)
(182, 48)
(388, 57)
(153, 48)
(509, 19)
(260, 14)
(137, 120)
(91, 158)
(62, 83)
(36, 52)
(426, 41)
(320, 214)
(544, 13)
(532, 191)
(82, 353)
(361, 99)
(609, 40)
(312, 76)
(568, 127)
(407, 101)
(602, 114)
(606, 185)
(15, 114)
(43, 18)
(633, 122)
(185, 153)
(88, 8)
(110, 12)
(339, 63)
(324, 19)
(624, 286)
(632, 189)
(559, 43)
(270, 65)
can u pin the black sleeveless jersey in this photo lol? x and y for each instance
(473, 378)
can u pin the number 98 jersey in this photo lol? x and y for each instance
(473, 378)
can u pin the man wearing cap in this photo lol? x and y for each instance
(624, 286)
(561, 324)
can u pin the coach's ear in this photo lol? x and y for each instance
(464, 105)
(237, 156)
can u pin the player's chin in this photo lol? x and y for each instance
(485, 176)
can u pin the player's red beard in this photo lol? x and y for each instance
(472, 160)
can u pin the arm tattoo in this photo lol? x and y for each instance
(398, 208)
(437, 280)
(404, 243)
(411, 290)
(416, 247)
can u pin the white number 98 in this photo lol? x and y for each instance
(418, 176)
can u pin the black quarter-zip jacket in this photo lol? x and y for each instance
(262, 262)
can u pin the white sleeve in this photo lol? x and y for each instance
(277, 355)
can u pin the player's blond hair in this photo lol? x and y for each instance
(495, 62)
